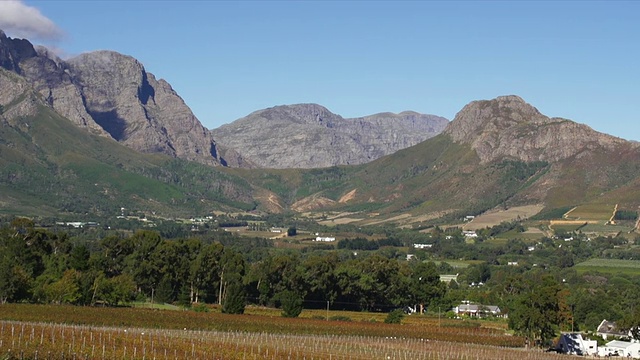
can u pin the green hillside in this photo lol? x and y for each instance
(50, 166)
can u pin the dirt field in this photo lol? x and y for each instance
(495, 217)
(339, 221)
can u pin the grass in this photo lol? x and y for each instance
(605, 229)
(610, 266)
(567, 227)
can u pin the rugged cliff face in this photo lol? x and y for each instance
(113, 95)
(310, 136)
(509, 127)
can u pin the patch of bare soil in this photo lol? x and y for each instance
(311, 203)
(348, 196)
(270, 200)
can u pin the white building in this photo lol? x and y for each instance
(620, 348)
(422, 246)
(326, 239)
(477, 310)
(575, 344)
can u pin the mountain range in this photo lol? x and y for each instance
(113, 95)
(98, 132)
(310, 136)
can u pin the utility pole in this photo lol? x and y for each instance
(327, 310)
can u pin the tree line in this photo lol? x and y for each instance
(542, 294)
(41, 266)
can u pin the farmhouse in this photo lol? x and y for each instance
(471, 234)
(575, 344)
(325, 239)
(609, 329)
(422, 246)
(477, 310)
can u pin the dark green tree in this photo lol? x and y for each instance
(631, 323)
(79, 258)
(538, 310)
(426, 286)
(204, 276)
(320, 278)
(234, 300)
(291, 303)
(292, 231)
(164, 292)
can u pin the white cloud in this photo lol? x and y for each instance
(20, 20)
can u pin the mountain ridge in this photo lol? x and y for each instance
(494, 154)
(311, 136)
(509, 126)
(112, 95)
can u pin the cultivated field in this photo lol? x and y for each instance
(19, 340)
(591, 213)
(495, 217)
(610, 266)
(65, 332)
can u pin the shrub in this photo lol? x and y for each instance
(394, 317)
(202, 308)
(291, 303)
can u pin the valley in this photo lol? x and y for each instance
(294, 232)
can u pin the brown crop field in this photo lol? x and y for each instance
(494, 217)
(66, 332)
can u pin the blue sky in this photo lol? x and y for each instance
(578, 60)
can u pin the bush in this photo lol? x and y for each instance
(291, 303)
(201, 308)
(394, 317)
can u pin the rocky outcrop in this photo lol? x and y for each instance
(509, 127)
(113, 95)
(311, 136)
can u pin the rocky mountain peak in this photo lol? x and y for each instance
(112, 95)
(492, 115)
(13, 51)
(507, 126)
(312, 114)
(311, 136)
